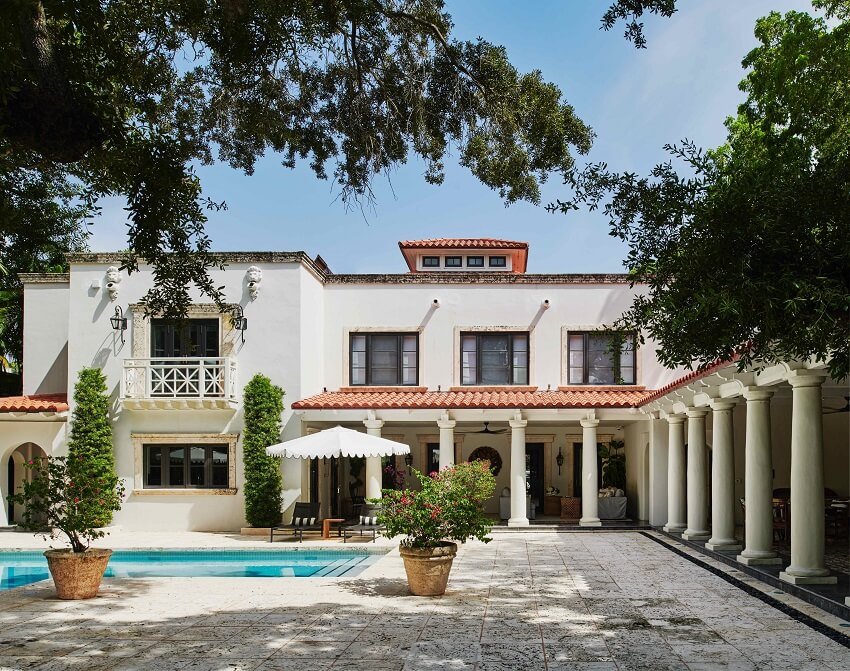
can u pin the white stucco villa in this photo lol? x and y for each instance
(465, 354)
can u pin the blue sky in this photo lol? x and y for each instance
(683, 85)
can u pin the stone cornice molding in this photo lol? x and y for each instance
(44, 278)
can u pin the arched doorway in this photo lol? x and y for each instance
(18, 473)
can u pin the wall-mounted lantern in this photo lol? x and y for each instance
(119, 322)
(408, 459)
(559, 460)
(240, 322)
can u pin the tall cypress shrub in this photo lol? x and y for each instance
(263, 405)
(91, 459)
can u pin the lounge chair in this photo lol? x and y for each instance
(366, 524)
(305, 517)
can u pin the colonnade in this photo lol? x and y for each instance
(519, 514)
(687, 494)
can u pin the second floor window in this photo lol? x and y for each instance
(385, 359)
(592, 361)
(494, 358)
(430, 261)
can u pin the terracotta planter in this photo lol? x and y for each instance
(77, 575)
(428, 568)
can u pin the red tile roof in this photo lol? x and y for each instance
(688, 378)
(463, 243)
(490, 397)
(35, 403)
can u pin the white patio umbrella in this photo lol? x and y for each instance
(337, 442)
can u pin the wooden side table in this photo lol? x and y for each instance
(326, 526)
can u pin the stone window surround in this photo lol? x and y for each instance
(565, 354)
(142, 328)
(142, 439)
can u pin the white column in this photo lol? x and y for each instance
(519, 515)
(373, 464)
(807, 503)
(589, 475)
(447, 441)
(758, 481)
(657, 472)
(697, 474)
(722, 478)
(676, 521)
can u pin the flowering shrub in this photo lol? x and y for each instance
(395, 476)
(63, 497)
(448, 507)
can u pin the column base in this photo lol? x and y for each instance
(518, 522)
(590, 522)
(723, 546)
(759, 561)
(689, 535)
(808, 579)
(674, 528)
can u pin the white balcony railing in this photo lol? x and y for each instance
(166, 382)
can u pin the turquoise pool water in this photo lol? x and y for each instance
(24, 567)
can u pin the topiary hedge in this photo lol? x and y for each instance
(263, 404)
(90, 454)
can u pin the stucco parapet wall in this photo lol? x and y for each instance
(117, 258)
(44, 278)
(479, 278)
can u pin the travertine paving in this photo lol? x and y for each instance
(541, 600)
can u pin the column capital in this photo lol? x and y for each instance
(721, 405)
(806, 378)
(518, 423)
(675, 419)
(445, 422)
(373, 423)
(757, 393)
(696, 413)
(589, 423)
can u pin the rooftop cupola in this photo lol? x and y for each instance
(465, 254)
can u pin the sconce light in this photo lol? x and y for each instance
(559, 460)
(408, 459)
(240, 322)
(119, 322)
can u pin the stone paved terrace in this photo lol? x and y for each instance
(543, 600)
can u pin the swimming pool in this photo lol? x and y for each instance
(19, 568)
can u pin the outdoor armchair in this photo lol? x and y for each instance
(305, 517)
(366, 524)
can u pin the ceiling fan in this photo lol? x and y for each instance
(487, 430)
(844, 408)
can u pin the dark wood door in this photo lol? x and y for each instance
(534, 474)
(577, 467)
(196, 338)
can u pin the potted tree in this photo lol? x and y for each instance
(446, 510)
(62, 498)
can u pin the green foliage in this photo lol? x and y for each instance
(448, 506)
(746, 253)
(57, 500)
(613, 464)
(90, 454)
(126, 96)
(630, 11)
(263, 405)
(41, 218)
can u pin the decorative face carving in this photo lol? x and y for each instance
(254, 276)
(113, 282)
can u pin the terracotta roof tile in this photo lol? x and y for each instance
(472, 398)
(35, 403)
(463, 243)
(688, 378)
